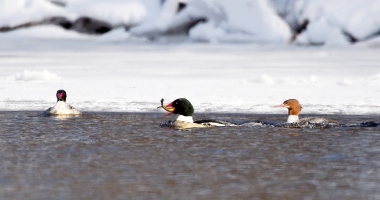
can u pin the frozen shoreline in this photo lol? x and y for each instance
(134, 76)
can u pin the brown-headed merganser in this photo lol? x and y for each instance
(185, 111)
(294, 108)
(61, 107)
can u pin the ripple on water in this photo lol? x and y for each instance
(127, 155)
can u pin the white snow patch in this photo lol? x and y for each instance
(27, 76)
(374, 80)
(116, 12)
(16, 12)
(263, 79)
(239, 21)
(345, 82)
(225, 21)
(115, 35)
(313, 79)
(44, 32)
(329, 20)
(266, 79)
(370, 43)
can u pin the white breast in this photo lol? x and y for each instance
(188, 119)
(292, 119)
(61, 108)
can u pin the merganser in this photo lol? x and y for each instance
(185, 109)
(61, 108)
(294, 108)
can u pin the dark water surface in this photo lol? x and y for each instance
(128, 156)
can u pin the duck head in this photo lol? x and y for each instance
(180, 106)
(61, 95)
(294, 108)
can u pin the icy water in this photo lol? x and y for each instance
(128, 156)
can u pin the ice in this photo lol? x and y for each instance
(27, 76)
(224, 64)
(133, 76)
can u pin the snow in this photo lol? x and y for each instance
(254, 21)
(225, 21)
(16, 12)
(117, 12)
(43, 32)
(132, 76)
(26, 76)
(240, 65)
(329, 19)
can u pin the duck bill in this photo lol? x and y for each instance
(281, 106)
(168, 108)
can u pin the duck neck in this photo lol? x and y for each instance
(185, 118)
(293, 118)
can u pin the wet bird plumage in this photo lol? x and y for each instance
(61, 107)
(185, 110)
(294, 108)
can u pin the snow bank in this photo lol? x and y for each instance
(220, 21)
(245, 20)
(338, 21)
(115, 12)
(16, 12)
(44, 32)
(224, 21)
(326, 22)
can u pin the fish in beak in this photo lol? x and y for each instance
(168, 108)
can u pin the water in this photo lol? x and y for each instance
(127, 156)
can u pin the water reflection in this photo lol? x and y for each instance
(63, 117)
(58, 116)
(127, 156)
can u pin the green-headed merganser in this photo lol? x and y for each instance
(294, 108)
(61, 108)
(185, 110)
